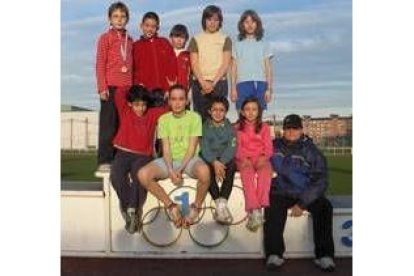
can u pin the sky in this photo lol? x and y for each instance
(311, 41)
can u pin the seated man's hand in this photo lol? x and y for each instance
(296, 211)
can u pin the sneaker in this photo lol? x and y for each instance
(222, 211)
(274, 261)
(106, 167)
(228, 215)
(124, 214)
(325, 264)
(254, 221)
(132, 227)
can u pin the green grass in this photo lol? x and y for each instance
(340, 175)
(81, 167)
(78, 167)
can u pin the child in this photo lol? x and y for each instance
(133, 141)
(114, 75)
(179, 130)
(154, 58)
(210, 55)
(251, 68)
(254, 149)
(179, 37)
(218, 147)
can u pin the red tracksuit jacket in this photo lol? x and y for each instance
(136, 134)
(154, 61)
(183, 69)
(109, 60)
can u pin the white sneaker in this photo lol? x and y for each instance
(104, 168)
(325, 264)
(274, 261)
(219, 214)
(228, 215)
(254, 221)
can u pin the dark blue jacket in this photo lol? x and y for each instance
(301, 170)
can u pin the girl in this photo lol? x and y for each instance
(251, 72)
(210, 56)
(254, 149)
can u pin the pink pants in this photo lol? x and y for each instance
(256, 184)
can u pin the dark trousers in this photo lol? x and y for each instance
(125, 168)
(227, 185)
(108, 126)
(275, 220)
(202, 102)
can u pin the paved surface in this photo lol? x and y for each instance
(196, 267)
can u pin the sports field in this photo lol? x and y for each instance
(81, 167)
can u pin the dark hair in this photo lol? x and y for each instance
(177, 86)
(138, 93)
(179, 30)
(219, 99)
(157, 97)
(151, 15)
(118, 5)
(208, 12)
(241, 122)
(255, 17)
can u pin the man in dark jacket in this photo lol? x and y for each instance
(300, 185)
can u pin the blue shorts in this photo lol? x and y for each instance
(160, 163)
(246, 89)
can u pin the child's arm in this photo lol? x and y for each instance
(171, 65)
(233, 75)
(230, 150)
(269, 79)
(193, 48)
(205, 146)
(268, 55)
(121, 103)
(267, 141)
(166, 154)
(101, 60)
(194, 134)
(190, 152)
(222, 71)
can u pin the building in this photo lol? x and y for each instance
(330, 131)
(334, 131)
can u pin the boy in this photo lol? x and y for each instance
(179, 130)
(210, 55)
(154, 58)
(114, 76)
(300, 185)
(133, 142)
(218, 148)
(179, 37)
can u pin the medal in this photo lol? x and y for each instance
(123, 50)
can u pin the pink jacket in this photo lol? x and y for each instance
(251, 144)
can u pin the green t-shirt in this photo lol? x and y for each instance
(179, 130)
